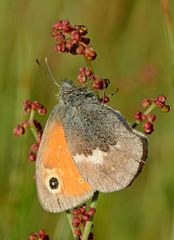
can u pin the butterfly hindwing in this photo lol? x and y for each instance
(107, 151)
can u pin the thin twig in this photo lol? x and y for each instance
(32, 127)
(69, 217)
(169, 24)
(88, 63)
(89, 223)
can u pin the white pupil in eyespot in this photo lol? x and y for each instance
(54, 183)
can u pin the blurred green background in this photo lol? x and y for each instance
(131, 40)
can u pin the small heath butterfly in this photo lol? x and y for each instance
(86, 147)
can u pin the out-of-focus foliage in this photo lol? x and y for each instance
(134, 53)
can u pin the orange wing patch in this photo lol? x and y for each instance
(57, 157)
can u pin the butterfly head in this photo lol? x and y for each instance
(69, 93)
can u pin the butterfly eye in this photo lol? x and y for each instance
(54, 183)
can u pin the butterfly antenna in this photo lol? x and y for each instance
(47, 71)
(116, 91)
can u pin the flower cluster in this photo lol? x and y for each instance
(71, 38)
(31, 107)
(148, 117)
(34, 105)
(81, 215)
(41, 235)
(21, 128)
(97, 82)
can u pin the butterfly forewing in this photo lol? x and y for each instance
(59, 184)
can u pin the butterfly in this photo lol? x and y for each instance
(86, 146)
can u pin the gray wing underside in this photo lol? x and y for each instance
(109, 154)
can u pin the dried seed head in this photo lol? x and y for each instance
(151, 117)
(138, 116)
(35, 105)
(18, 130)
(81, 78)
(32, 156)
(98, 84)
(161, 99)
(32, 236)
(146, 103)
(148, 127)
(90, 53)
(105, 99)
(80, 50)
(76, 221)
(42, 110)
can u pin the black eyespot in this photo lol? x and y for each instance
(54, 183)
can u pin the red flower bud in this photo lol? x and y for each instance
(32, 236)
(60, 37)
(58, 25)
(82, 70)
(98, 84)
(61, 47)
(32, 156)
(75, 211)
(76, 221)
(69, 44)
(34, 147)
(148, 127)
(35, 105)
(77, 231)
(66, 26)
(75, 35)
(41, 233)
(18, 130)
(138, 116)
(105, 99)
(88, 72)
(85, 218)
(81, 78)
(151, 117)
(144, 116)
(90, 53)
(91, 211)
(25, 124)
(80, 50)
(42, 110)
(82, 209)
(159, 104)
(161, 99)
(146, 103)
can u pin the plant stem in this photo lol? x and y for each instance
(88, 63)
(169, 24)
(150, 109)
(69, 217)
(32, 127)
(89, 223)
